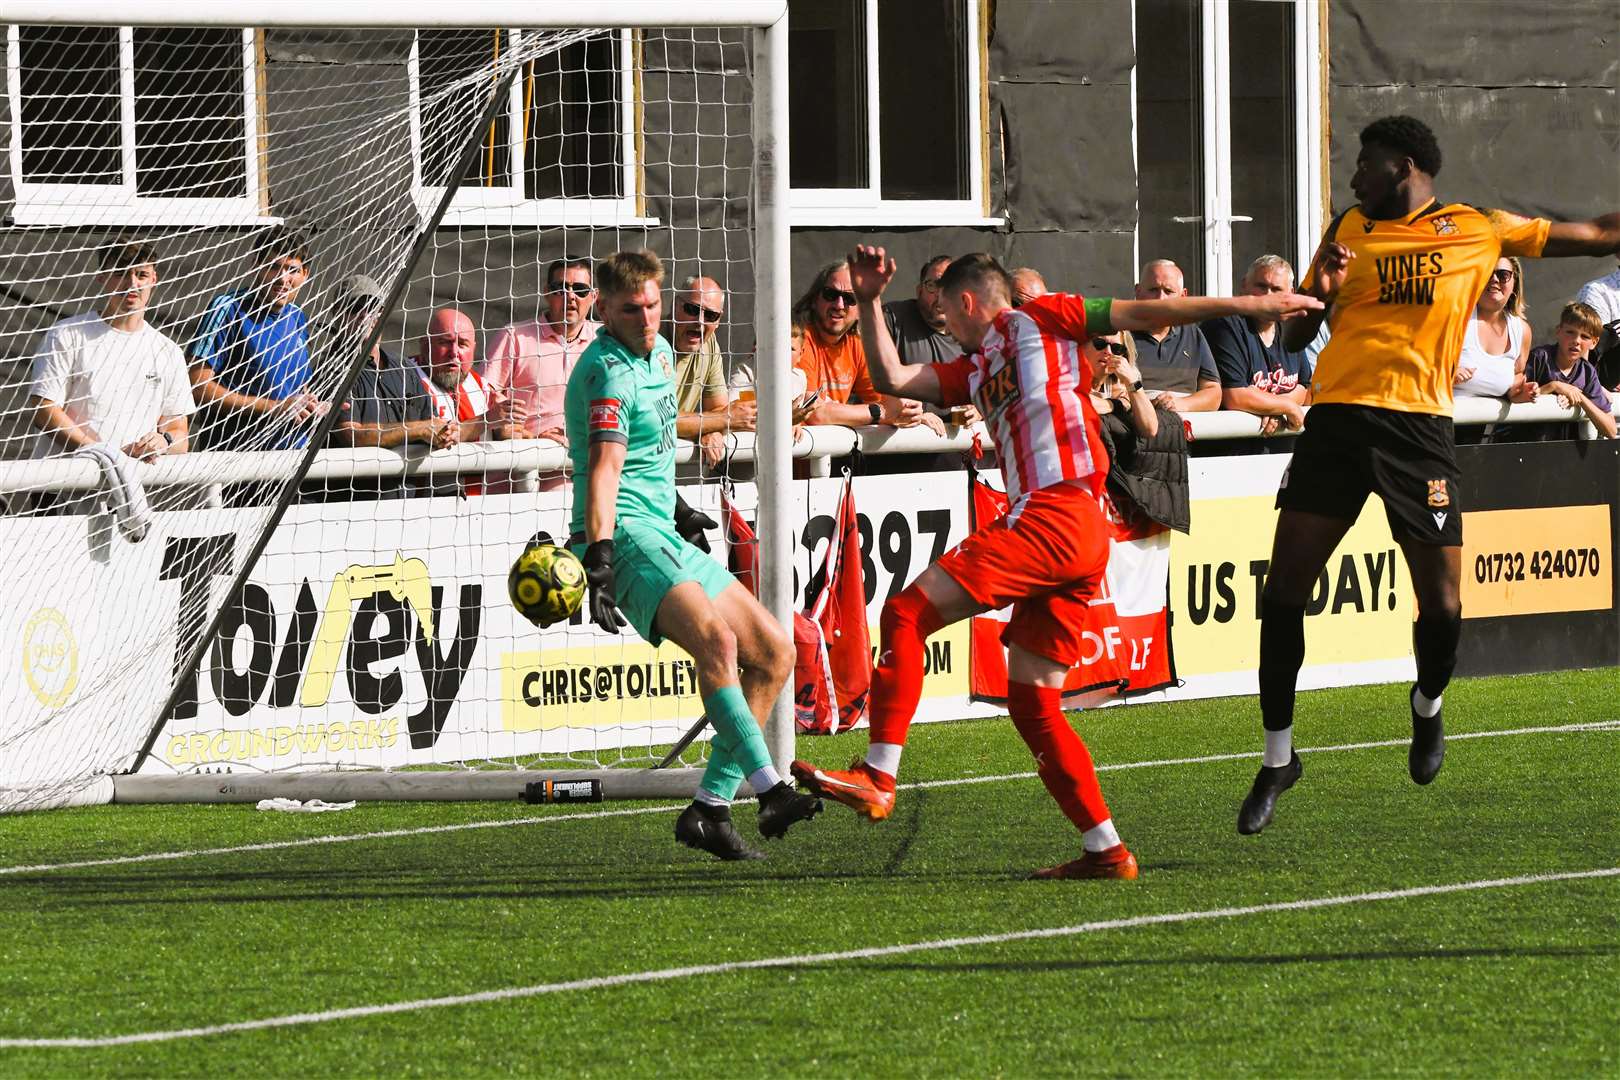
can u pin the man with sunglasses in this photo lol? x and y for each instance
(834, 360)
(706, 409)
(1026, 371)
(528, 363)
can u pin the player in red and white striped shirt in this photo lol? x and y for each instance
(1025, 371)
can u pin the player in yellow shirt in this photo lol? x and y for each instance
(1399, 273)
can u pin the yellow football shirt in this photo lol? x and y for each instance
(1399, 319)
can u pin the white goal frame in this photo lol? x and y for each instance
(772, 445)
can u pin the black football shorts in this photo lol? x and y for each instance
(1408, 459)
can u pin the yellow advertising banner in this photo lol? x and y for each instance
(1361, 609)
(1531, 562)
(633, 683)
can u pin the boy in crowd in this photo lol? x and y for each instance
(1562, 368)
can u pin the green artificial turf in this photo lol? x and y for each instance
(1498, 981)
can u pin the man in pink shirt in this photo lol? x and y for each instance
(528, 363)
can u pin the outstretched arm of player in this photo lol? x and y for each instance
(1178, 311)
(870, 271)
(1600, 236)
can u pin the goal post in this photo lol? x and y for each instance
(289, 627)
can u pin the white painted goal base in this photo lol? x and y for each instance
(447, 786)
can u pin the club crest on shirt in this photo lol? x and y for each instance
(663, 359)
(1444, 226)
(1437, 494)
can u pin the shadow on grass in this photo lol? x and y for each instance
(1279, 959)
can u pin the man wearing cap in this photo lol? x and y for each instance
(387, 406)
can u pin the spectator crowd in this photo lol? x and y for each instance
(246, 379)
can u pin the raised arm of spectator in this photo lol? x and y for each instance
(870, 271)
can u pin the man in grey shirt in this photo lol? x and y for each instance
(917, 328)
(1177, 366)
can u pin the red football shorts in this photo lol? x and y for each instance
(1047, 560)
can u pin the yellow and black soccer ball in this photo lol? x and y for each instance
(547, 583)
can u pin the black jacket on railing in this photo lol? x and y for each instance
(1149, 476)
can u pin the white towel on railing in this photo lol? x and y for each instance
(125, 496)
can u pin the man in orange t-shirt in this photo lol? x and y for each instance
(834, 363)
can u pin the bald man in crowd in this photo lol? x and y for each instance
(1027, 285)
(706, 411)
(459, 394)
(1177, 367)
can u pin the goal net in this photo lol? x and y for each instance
(286, 319)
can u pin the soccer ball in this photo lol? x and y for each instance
(546, 584)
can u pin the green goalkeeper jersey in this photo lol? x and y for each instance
(616, 396)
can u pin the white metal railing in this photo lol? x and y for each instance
(525, 459)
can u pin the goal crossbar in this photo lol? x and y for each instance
(318, 14)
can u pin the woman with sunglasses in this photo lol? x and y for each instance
(1116, 384)
(1147, 446)
(1496, 343)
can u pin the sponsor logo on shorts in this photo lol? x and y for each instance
(1438, 495)
(1439, 519)
(605, 414)
(1444, 226)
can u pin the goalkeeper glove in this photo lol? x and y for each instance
(693, 524)
(599, 576)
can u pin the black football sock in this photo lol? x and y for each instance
(1434, 640)
(1282, 651)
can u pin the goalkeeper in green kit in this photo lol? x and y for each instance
(620, 412)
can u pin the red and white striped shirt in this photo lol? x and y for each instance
(471, 401)
(1031, 381)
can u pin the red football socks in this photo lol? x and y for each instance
(1061, 758)
(906, 622)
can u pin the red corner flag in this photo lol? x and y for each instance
(832, 676)
(840, 610)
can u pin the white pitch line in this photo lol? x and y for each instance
(426, 830)
(603, 982)
(1594, 725)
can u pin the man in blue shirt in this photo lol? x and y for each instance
(250, 360)
(1258, 375)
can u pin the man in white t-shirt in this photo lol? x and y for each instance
(1602, 295)
(107, 376)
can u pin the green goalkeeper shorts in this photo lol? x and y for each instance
(649, 559)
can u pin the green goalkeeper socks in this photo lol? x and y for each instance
(738, 748)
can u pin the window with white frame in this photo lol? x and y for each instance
(561, 147)
(132, 126)
(1228, 135)
(886, 112)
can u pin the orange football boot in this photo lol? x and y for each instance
(857, 787)
(1116, 862)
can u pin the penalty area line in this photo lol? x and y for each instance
(427, 830)
(603, 982)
